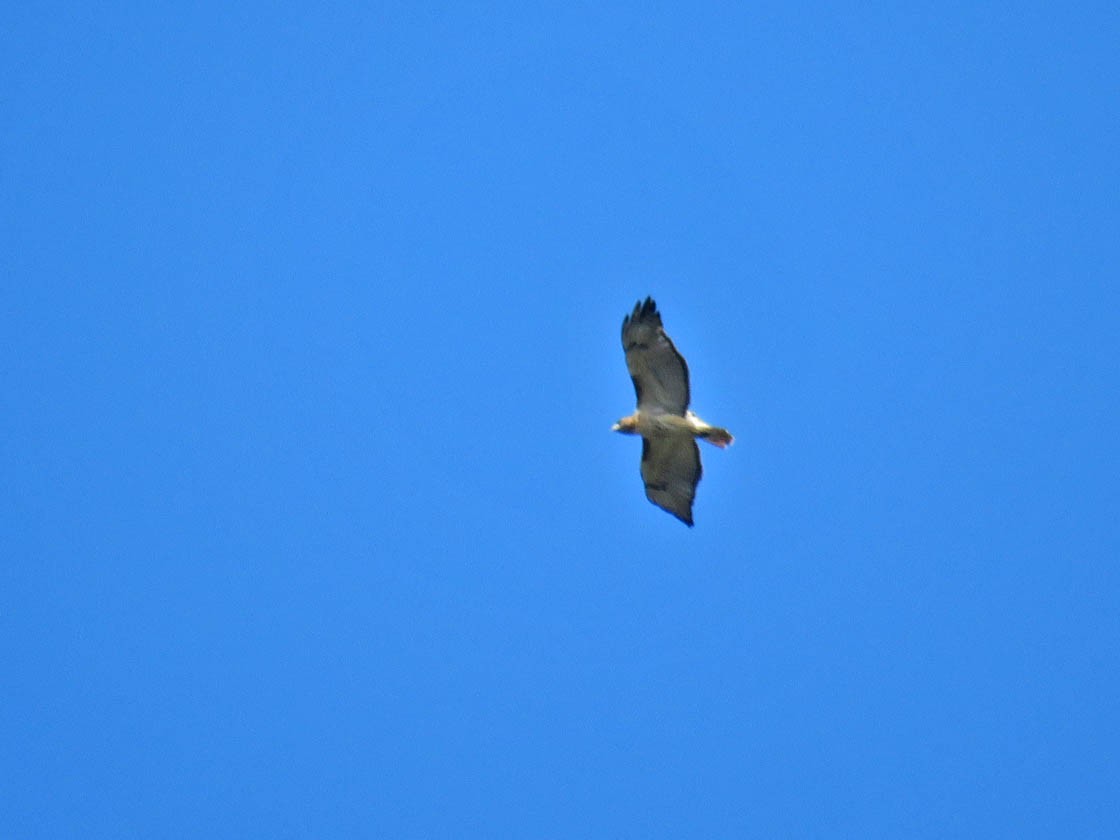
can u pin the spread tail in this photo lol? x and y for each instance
(717, 436)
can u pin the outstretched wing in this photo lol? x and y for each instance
(671, 470)
(659, 372)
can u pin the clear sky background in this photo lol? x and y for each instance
(312, 522)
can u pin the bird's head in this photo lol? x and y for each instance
(627, 425)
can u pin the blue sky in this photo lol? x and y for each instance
(313, 524)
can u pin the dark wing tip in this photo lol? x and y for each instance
(685, 517)
(644, 311)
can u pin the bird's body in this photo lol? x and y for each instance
(670, 457)
(650, 424)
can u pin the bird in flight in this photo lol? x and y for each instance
(670, 457)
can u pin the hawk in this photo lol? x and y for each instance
(670, 457)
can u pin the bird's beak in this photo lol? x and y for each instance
(615, 427)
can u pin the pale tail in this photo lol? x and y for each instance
(720, 437)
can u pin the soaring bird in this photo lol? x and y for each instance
(670, 457)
